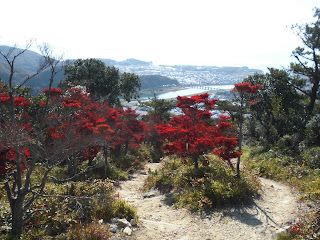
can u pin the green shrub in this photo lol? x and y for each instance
(284, 236)
(287, 169)
(205, 187)
(111, 171)
(69, 204)
(5, 214)
(72, 205)
(118, 167)
(123, 210)
(36, 234)
(66, 206)
(312, 136)
(133, 159)
(288, 145)
(311, 157)
(93, 231)
(104, 171)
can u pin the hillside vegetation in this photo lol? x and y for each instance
(156, 81)
(64, 151)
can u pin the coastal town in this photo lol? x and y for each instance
(186, 74)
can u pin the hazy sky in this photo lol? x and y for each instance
(254, 33)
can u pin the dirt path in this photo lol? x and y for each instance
(159, 220)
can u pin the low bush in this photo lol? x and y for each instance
(133, 159)
(117, 168)
(311, 157)
(301, 172)
(122, 210)
(71, 209)
(205, 187)
(307, 228)
(294, 171)
(93, 231)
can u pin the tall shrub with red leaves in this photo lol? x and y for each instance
(195, 132)
(14, 133)
(67, 125)
(130, 133)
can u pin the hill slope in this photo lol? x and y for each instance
(155, 81)
(29, 60)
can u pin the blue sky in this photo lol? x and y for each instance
(254, 33)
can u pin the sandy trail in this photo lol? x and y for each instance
(160, 221)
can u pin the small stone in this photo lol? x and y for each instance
(184, 238)
(114, 220)
(127, 231)
(285, 229)
(272, 186)
(291, 221)
(257, 217)
(151, 193)
(268, 210)
(133, 222)
(123, 223)
(113, 228)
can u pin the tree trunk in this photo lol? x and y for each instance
(240, 148)
(240, 134)
(195, 161)
(238, 167)
(105, 153)
(313, 97)
(72, 167)
(126, 147)
(17, 217)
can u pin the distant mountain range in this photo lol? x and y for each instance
(127, 62)
(151, 76)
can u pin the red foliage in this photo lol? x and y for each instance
(71, 103)
(55, 93)
(74, 122)
(152, 134)
(82, 122)
(90, 153)
(195, 133)
(4, 97)
(226, 149)
(15, 134)
(18, 101)
(246, 87)
(95, 124)
(21, 102)
(130, 130)
(55, 133)
(8, 158)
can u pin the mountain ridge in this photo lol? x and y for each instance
(181, 74)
